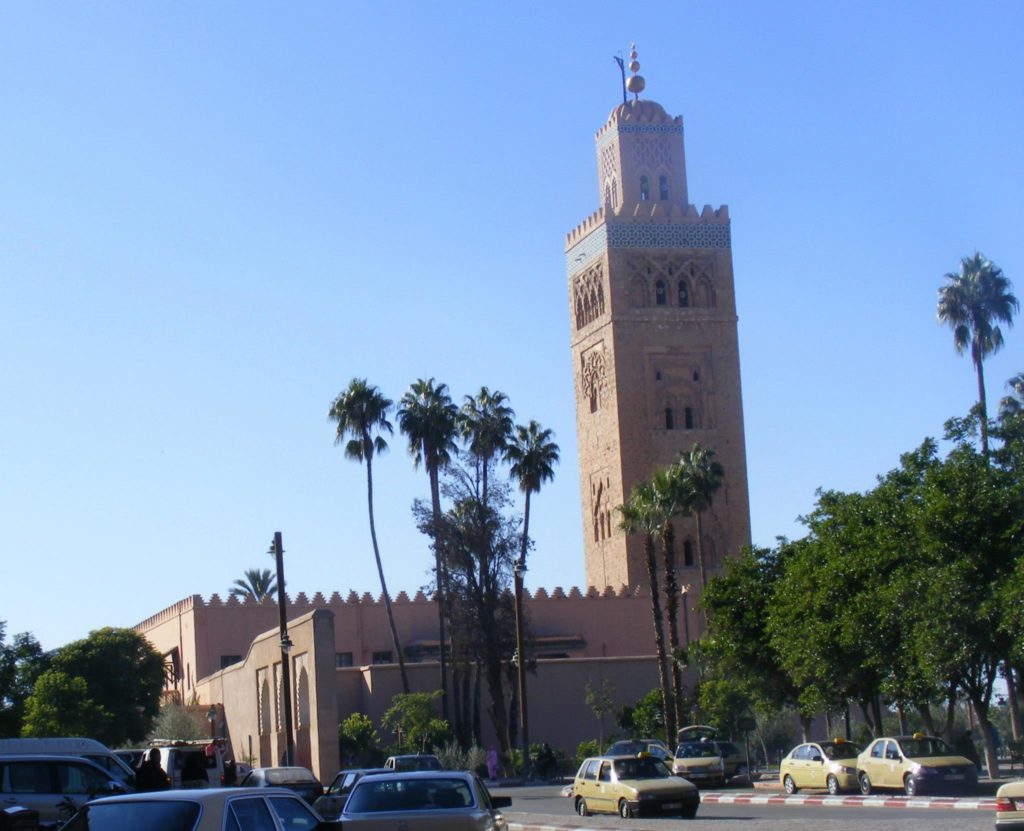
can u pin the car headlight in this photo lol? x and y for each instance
(845, 770)
(644, 796)
(926, 771)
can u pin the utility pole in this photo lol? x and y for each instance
(286, 646)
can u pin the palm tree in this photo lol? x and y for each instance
(640, 516)
(667, 493)
(257, 584)
(485, 422)
(532, 455)
(427, 416)
(973, 303)
(700, 476)
(1013, 404)
(360, 412)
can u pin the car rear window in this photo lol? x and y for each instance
(290, 776)
(120, 816)
(408, 795)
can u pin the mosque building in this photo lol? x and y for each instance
(653, 333)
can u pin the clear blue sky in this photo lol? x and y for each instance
(213, 215)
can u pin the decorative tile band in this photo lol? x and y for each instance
(609, 135)
(646, 235)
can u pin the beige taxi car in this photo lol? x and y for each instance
(701, 762)
(914, 764)
(1010, 806)
(829, 765)
(632, 786)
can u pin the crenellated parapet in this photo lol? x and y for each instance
(302, 603)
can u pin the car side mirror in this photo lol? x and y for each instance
(501, 801)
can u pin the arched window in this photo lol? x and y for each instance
(670, 420)
(645, 191)
(608, 192)
(687, 553)
(684, 295)
(615, 192)
(688, 417)
(659, 293)
(663, 187)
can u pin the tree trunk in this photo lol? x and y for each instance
(991, 762)
(1012, 699)
(805, 727)
(926, 716)
(982, 403)
(672, 607)
(383, 584)
(700, 562)
(950, 711)
(439, 576)
(659, 636)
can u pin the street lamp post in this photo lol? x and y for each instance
(286, 645)
(518, 571)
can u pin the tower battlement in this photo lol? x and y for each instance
(656, 212)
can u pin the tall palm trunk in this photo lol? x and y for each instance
(982, 402)
(383, 583)
(441, 578)
(667, 705)
(668, 540)
(700, 561)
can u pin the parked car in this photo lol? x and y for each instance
(914, 764)
(701, 762)
(96, 752)
(192, 764)
(335, 795)
(1010, 806)
(829, 765)
(734, 759)
(296, 779)
(54, 785)
(632, 747)
(413, 761)
(131, 756)
(238, 809)
(631, 786)
(422, 800)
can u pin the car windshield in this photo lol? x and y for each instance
(153, 816)
(841, 750)
(639, 769)
(925, 746)
(408, 795)
(407, 763)
(290, 776)
(696, 750)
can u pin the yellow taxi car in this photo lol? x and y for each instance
(829, 765)
(1010, 806)
(701, 762)
(914, 764)
(632, 786)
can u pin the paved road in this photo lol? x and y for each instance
(541, 809)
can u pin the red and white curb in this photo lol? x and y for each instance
(946, 802)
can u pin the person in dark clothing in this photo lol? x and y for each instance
(965, 747)
(149, 776)
(545, 762)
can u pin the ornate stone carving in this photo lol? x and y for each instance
(593, 376)
(588, 295)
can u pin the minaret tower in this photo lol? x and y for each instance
(654, 346)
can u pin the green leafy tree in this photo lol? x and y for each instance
(429, 419)
(361, 415)
(412, 719)
(700, 477)
(640, 515)
(357, 740)
(124, 676)
(60, 705)
(645, 718)
(974, 301)
(722, 702)
(1013, 404)
(21, 663)
(257, 584)
(601, 704)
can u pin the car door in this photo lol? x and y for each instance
(873, 763)
(248, 814)
(893, 777)
(815, 766)
(79, 782)
(606, 789)
(586, 784)
(798, 765)
(29, 783)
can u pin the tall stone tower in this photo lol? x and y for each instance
(654, 347)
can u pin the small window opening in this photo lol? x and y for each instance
(684, 295)
(659, 293)
(687, 553)
(696, 375)
(645, 192)
(663, 187)
(670, 421)
(657, 375)
(382, 658)
(593, 401)
(688, 417)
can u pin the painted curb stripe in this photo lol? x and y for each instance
(946, 802)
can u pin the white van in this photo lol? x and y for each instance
(192, 764)
(94, 751)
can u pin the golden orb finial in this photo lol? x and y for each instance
(635, 83)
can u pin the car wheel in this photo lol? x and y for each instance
(909, 786)
(788, 785)
(741, 770)
(865, 783)
(832, 784)
(624, 810)
(581, 807)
